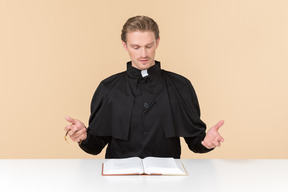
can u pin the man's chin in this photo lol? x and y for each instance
(144, 65)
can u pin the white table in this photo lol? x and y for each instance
(84, 175)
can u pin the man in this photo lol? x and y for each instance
(144, 110)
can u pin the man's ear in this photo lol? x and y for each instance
(157, 42)
(125, 45)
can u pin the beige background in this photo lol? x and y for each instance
(54, 53)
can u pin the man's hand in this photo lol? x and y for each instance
(77, 130)
(213, 138)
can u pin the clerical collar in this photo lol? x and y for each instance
(134, 72)
(144, 73)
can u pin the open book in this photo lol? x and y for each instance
(146, 166)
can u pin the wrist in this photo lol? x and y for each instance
(84, 138)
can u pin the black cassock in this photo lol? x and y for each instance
(144, 116)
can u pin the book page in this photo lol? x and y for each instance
(165, 166)
(131, 165)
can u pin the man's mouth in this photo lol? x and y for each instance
(143, 60)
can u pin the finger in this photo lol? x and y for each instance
(221, 139)
(217, 143)
(208, 145)
(219, 124)
(79, 133)
(67, 128)
(71, 120)
(72, 130)
(79, 137)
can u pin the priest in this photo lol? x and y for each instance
(144, 110)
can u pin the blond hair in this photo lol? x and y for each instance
(139, 23)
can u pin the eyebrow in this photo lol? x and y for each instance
(136, 45)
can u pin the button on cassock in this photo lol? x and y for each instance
(146, 105)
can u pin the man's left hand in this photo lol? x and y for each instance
(213, 138)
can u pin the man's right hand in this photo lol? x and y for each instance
(76, 130)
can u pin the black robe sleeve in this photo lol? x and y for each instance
(182, 118)
(94, 144)
(194, 143)
(111, 109)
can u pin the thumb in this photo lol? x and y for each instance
(71, 120)
(218, 125)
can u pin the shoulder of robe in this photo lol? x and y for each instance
(107, 84)
(183, 87)
(178, 80)
(113, 79)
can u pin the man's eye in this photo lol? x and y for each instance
(135, 47)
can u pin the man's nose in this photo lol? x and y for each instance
(143, 52)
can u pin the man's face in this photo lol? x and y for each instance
(141, 47)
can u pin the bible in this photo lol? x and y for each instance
(146, 166)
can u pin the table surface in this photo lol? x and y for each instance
(85, 175)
